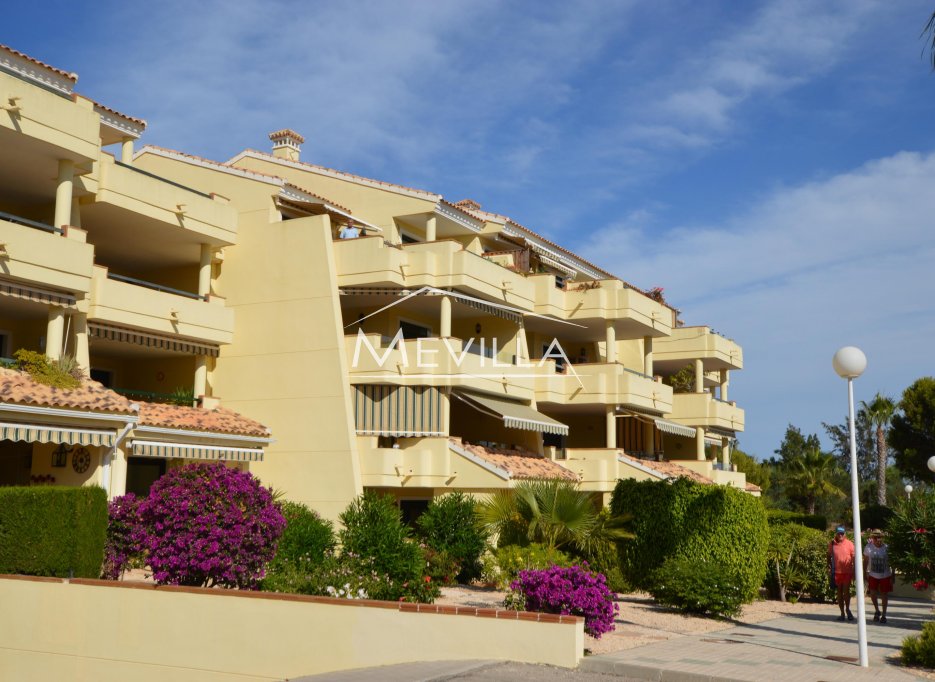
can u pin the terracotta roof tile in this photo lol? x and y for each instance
(21, 389)
(73, 77)
(139, 121)
(286, 132)
(521, 464)
(318, 196)
(218, 420)
(670, 469)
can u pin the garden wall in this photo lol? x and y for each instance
(101, 630)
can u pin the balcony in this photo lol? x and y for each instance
(46, 124)
(150, 307)
(689, 343)
(138, 204)
(369, 261)
(34, 252)
(602, 384)
(454, 366)
(702, 409)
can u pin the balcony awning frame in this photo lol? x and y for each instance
(515, 415)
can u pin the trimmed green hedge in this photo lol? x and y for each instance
(704, 523)
(53, 531)
(779, 516)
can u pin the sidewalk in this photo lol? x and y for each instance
(811, 646)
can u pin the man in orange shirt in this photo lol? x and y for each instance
(841, 567)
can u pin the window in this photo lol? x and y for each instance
(5, 350)
(103, 376)
(413, 330)
(386, 442)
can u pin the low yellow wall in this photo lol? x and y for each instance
(54, 629)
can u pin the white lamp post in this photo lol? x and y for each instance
(931, 464)
(850, 362)
(908, 490)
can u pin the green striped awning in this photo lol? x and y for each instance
(382, 410)
(675, 429)
(109, 332)
(159, 450)
(35, 433)
(37, 294)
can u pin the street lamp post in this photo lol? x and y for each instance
(908, 490)
(850, 362)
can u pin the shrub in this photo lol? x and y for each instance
(703, 523)
(123, 536)
(920, 650)
(306, 534)
(53, 531)
(502, 567)
(911, 538)
(601, 552)
(373, 529)
(64, 373)
(778, 517)
(571, 590)
(800, 557)
(440, 566)
(209, 524)
(698, 586)
(448, 526)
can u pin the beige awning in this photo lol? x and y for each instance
(37, 294)
(515, 415)
(97, 330)
(675, 429)
(410, 411)
(162, 450)
(35, 433)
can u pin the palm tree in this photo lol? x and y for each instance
(810, 475)
(930, 31)
(554, 513)
(879, 413)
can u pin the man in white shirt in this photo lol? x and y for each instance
(349, 231)
(879, 574)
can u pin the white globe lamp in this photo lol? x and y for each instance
(931, 463)
(849, 362)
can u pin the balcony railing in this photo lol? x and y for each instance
(9, 217)
(156, 287)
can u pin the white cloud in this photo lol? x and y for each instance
(840, 261)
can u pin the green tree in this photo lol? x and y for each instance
(811, 476)
(756, 472)
(841, 445)
(682, 381)
(879, 412)
(912, 429)
(795, 444)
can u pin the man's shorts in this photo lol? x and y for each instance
(881, 585)
(843, 579)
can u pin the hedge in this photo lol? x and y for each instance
(716, 524)
(53, 531)
(779, 516)
(801, 556)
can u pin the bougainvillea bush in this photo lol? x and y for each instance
(568, 591)
(910, 535)
(208, 524)
(123, 536)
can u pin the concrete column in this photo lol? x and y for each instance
(430, 229)
(118, 472)
(648, 355)
(64, 192)
(611, 426)
(649, 444)
(204, 270)
(725, 380)
(201, 375)
(75, 213)
(446, 317)
(522, 345)
(699, 376)
(126, 150)
(82, 354)
(699, 444)
(725, 454)
(611, 350)
(55, 333)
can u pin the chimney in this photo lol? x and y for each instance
(286, 144)
(468, 205)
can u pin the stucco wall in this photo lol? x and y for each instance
(98, 630)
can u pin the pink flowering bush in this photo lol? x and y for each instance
(208, 524)
(910, 535)
(568, 591)
(123, 536)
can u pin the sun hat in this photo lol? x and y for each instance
(839, 529)
(876, 533)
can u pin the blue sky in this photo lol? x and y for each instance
(770, 163)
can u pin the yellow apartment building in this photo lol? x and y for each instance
(389, 338)
(108, 267)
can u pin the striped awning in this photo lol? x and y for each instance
(675, 429)
(713, 440)
(382, 410)
(37, 294)
(35, 433)
(515, 415)
(97, 330)
(553, 263)
(493, 309)
(161, 450)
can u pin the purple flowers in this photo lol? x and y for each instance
(571, 591)
(202, 525)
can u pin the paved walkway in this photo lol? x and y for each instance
(811, 647)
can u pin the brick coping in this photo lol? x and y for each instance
(404, 607)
